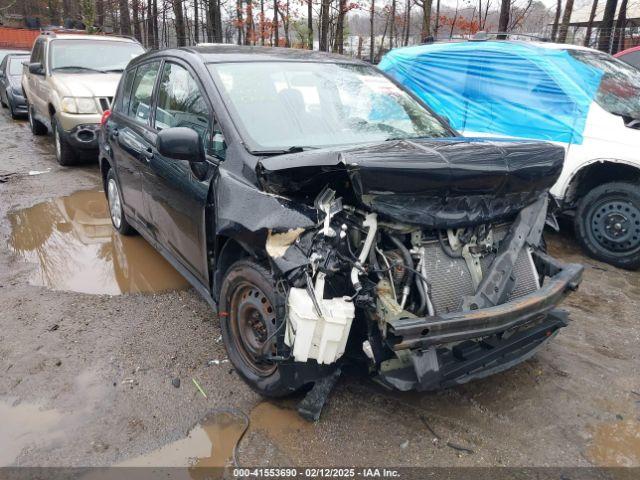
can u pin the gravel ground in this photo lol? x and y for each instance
(87, 378)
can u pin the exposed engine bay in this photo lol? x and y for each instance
(436, 278)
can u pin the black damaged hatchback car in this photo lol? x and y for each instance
(329, 216)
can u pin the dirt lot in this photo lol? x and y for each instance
(90, 346)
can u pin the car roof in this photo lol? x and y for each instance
(479, 44)
(214, 53)
(98, 38)
(628, 50)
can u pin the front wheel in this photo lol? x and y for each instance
(608, 224)
(37, 127)
(248, 322)
(65, 155)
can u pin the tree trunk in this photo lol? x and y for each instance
(606, 26)
(592, 16)
(371, 32)
(137, 31)
(503, 23)
(276, 31)
(407, 28)
(286, 25)
(393, 24)
(437, 25)
(154, 24)
(338, 44)
(618, 38)
(324, 25)
(310, 24)
(179, 20)
(262, 22)
(250, 35)
(566, 18)
(125, 20)
(53, 4)
(426, 19)
(196, 19)
(239, 22)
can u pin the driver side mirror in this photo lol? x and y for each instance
(36, 68)
(180, 143)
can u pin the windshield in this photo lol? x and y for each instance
(15, 65)
(294, 105)
(619, 91)
(88, 55)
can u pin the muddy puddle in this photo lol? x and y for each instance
(211, 443)
(73, 244)
(25, 425)
(616, 444)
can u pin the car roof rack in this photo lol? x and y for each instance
(483, 36)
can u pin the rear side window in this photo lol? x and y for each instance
(124, 97)
(142, 92)
(37, 55)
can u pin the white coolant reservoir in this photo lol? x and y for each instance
(321, 337)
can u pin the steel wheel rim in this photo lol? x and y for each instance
(615, 225)
(252, 321)
(115, 207)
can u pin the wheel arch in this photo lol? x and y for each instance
(227, 252)
(598, 173)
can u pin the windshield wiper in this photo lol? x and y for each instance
(77, 67)
(294, 149)
(113, 70)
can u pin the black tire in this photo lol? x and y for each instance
(65, 154)
(37, 128)
(248, 291)
(2, 102)
(12, 111)
(116, 205)
(607, 224)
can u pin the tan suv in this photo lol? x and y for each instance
(69, 82)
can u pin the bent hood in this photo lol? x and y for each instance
(86, 84)
(437, 183)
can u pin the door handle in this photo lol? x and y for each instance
(148, 154)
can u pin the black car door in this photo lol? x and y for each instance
(132, 138)
(176, 190)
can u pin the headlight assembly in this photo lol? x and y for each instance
(81, 105)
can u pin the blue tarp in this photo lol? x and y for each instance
(506, 88)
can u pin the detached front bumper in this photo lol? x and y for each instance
(18, 102)
(486, 341)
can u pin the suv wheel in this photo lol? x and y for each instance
(116, 210)
(65, 155)
(608, 224)
(37, 128)
(248, 321)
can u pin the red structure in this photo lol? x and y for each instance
(17, 37)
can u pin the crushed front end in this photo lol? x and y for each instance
(426, 258)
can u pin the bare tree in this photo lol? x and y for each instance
(566, 18)
(503, 21)
(426, 17)
(621, 24)
(310, 24)
(556, 20)
(178, 12)
(606, 26)
(371, 31)
(592, 16)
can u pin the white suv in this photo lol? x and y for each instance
(580, 98)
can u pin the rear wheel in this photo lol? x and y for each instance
(37, 127)
(116, 207)
(248, 321)
(608, 224)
